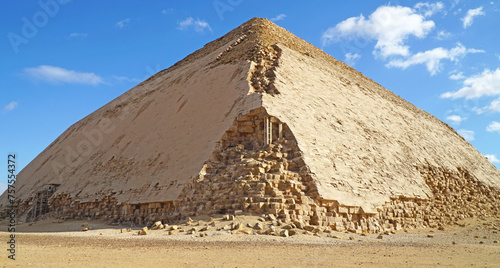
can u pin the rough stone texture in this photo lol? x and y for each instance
(143, 146)
(190, 140)
(244, 174)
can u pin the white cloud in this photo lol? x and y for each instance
(442, 35)
(494, 106)
(390, 26)
(456, 119)
(54, 74)
(457, 76)
(469, 17)
(494, 126)
(351, 58)
(493, 158)
(198, 25)
(126, 79)
(429, 9)
(279, 17)
(486, 83)
(122, 23)
(186, 23)
(432, 58)
(9, 107)
(467, 134)
(78, 35)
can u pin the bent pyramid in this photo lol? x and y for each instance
(263, 122)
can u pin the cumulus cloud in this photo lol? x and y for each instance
(432, 58)
(494, 126)
(494, 106)
(493, 158)
(486, 83)
(457, 76)
(467, 134)
(54, 74)
(455, 119)
(279, 17)
(351, 58)
(11, 106)
(198, 25)
(389, 26)
(429, 9)
(122, 23)
(469, 17)
(442, 35)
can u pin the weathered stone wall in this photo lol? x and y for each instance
(244, 174)
(456, 195)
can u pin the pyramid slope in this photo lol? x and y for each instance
(154, 138)
(360, 144)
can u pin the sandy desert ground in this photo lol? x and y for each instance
(51, 243)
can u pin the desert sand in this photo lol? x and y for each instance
(53, 243)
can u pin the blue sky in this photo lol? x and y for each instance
(62, 60)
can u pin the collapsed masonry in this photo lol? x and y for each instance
(259, 121)
(263, 172)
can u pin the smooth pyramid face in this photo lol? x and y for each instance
(258, 120)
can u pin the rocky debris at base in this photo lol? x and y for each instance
(143, 231)
(157, 226)
(216, 226)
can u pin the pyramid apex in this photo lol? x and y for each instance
(258, 20)
(248, 40)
